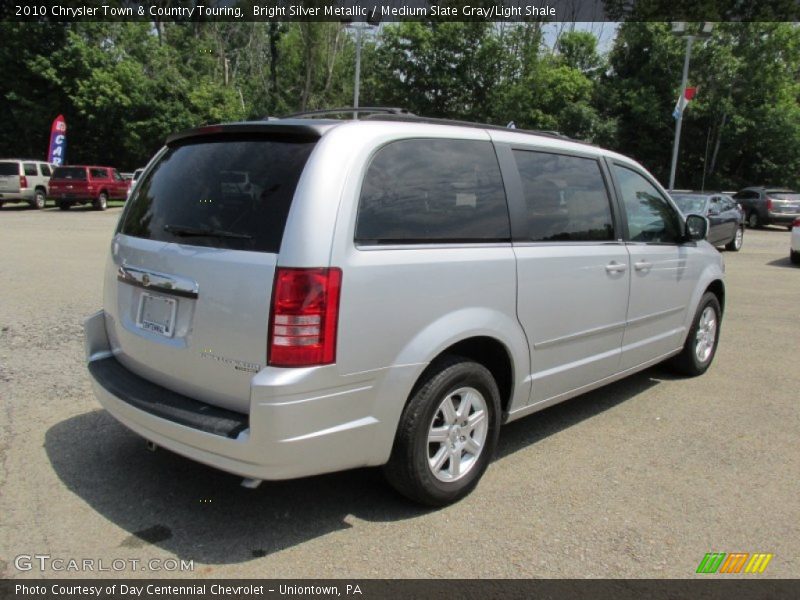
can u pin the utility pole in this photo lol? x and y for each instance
(679, 28)
(679, 121)
(359, 26)
(357, 84)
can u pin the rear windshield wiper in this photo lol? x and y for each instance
(182, 231)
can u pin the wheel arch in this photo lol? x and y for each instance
(487, 351)
(717, 287)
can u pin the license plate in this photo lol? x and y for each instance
(157, 314)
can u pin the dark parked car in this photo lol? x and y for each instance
(769, 206)
(79, 184)
(725, 217)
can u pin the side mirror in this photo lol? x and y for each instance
(696, 228)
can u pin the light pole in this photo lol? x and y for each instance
(359, 27)
(679, 28)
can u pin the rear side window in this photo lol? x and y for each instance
(69, 173)
(9, 168)
(565, 198)
(45, 169)
(98, 173)
(229, 192)
(30, 169)
(426, 190)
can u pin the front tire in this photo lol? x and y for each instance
(447, 433)
(63, 205)
(738, 239)
(102, 202)
(701, 343)
(754, 221)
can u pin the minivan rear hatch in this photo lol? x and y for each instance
(194, 258)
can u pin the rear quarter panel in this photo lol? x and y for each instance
(400, 305)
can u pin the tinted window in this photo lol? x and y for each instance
(45, 169)
(187, 197)
(690, 204)
(433, 191)
(650, 217)
(69, 173)
(565, 197)
(117, 176)
(98, 173)
(783, 195)
(9, 168)
(30, 169)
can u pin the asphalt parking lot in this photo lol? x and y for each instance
(639, 479)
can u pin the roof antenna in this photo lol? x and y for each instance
(511, 125)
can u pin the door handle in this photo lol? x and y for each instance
(615, 267)
(642, 265)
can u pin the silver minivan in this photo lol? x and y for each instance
(387, 291)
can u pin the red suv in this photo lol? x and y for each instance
(79, 184)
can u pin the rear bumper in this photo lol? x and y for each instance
(25, 195)
(782, 218)
(301, 421)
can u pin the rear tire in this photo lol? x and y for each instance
(754, 221)
(701, 343)
(101, 203)
(738, 239)
(794, 257)
(39, 200)
(63, 205)
(447, 433)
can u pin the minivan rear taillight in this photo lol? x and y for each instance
(304, 317)
(796, 223)
(769, 203)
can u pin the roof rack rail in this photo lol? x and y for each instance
(412, 118)
(349, 109)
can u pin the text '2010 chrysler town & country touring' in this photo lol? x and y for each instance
(298, 296)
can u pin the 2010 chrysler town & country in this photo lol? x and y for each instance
(387, 291)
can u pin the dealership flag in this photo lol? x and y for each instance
(58, 141)
(687, 95)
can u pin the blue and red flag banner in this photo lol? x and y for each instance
(58, 141)
(683, 101)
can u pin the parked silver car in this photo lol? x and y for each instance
(388, 291)
(24, 181)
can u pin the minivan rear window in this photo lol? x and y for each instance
(9, 168)
(783, 195)
(229, 192)
(70, 173)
